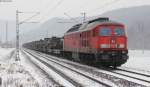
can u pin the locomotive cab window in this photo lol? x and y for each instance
(119, 31)
(105, 31)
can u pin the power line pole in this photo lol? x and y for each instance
(6, 41)
(6, 32)
(18, 23)
(17, 36)
(47, 33)
(84, 17)
(141, 30)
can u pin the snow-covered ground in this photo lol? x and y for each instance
(42, 79)
(139, 60)
(5, 53)
(13, 74)
(90, 71)
(26, 74)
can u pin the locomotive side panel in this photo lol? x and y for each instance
(72, 42)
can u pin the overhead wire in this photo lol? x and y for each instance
(82, 4)
(103, 6)
(71, 18)
(93, 10)
(36, 14)
(99, 8)
(52, 9)
(46, 6)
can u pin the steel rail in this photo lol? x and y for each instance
(93, 79)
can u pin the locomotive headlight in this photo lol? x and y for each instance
(124, 52)
(105, 46)
(121, 46)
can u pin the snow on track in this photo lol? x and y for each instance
(52, 73)
(133, 75)
(76, 76)
(81, 78)
(145, 73)
(107, 72)
(38, 74)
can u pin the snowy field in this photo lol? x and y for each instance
(26, 74)
(139, 60)
(4, 53)
(42, 79)
(13, 74)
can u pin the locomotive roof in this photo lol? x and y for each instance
(77, 26)
(90, 25)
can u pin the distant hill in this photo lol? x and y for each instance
(136, 19)
(53, 27)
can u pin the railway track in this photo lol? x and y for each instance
(75, 83)
(131, 74)
(136, 72)
(139, 78)
(43, 71)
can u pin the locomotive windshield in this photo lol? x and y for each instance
(105, 31)
(119, 31)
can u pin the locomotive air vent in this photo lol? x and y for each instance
(99, 19)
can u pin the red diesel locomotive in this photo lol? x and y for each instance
(100, 41)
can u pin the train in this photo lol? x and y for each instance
(99, 41)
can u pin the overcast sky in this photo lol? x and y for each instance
(57, 8)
